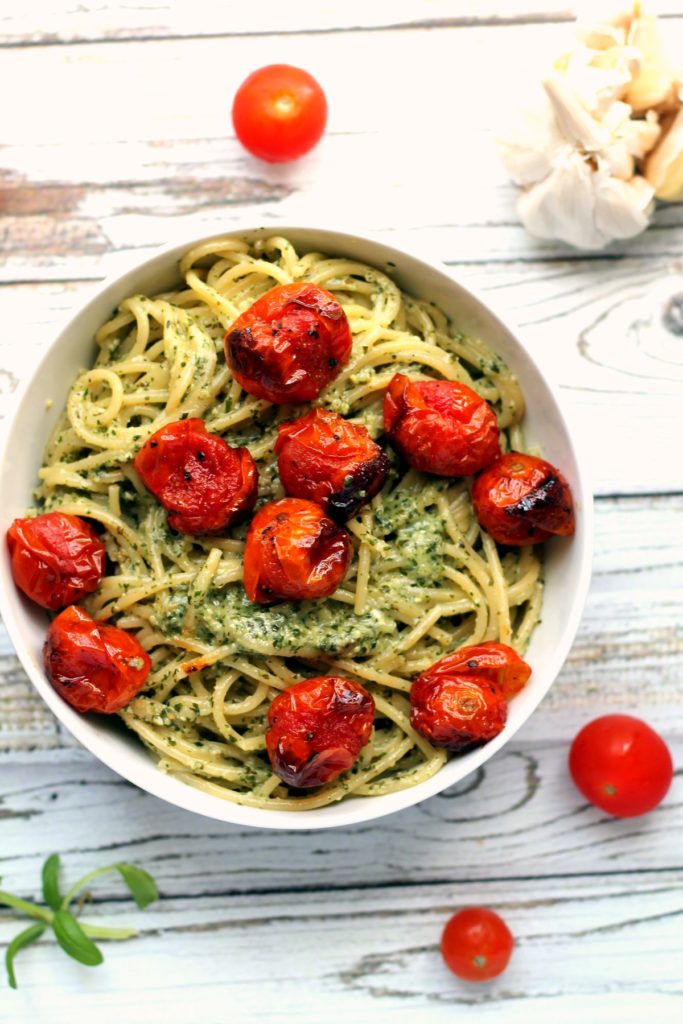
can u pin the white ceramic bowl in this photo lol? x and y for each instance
(568, 562)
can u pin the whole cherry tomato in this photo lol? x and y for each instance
(294, 552)
(621, 765)
(323, 457)
(317, 728)
(521, 499)
(459, 707)
(92, 666)
(477, 944)
(489, 660)
(279, 112)
(440, 426)
(56, 558)
(289, 344)
(204, 483)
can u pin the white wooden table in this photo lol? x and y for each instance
(116, 134)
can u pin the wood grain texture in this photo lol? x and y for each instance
(121, 140)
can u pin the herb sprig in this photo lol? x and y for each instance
(76, 939)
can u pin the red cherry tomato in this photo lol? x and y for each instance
(621, 765)
(56, 558)
(279, 113)
(317, 728)
(520, 499)
(323, 457)
(459, 707)
(204, 483)
(294, 552)
(477, 944)
(440, 426)
(289, 344)
(489, 660)
(92, 666)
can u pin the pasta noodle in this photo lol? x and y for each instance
(424, 580)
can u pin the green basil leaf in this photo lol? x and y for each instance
(19, 942)
(73, 939)
(142, 886)
(51, 893)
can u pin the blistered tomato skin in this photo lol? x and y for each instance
(440, 426)
(457, 710)
(323, 457)
(92, 666)
(317, 728)
(495, 662)
(521, 499)
(205, 484)
(290, 344)
(56, 558)
(294, 552)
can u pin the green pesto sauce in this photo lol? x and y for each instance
(406, 535)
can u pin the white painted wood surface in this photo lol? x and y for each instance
(117, 137)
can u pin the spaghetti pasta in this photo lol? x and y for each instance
(423, 582)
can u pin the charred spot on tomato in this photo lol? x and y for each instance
(317, 728)
(546, 505)
(360, 484)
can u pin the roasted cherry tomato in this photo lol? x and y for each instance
(489, 660)
(520, 499)
(477, 944)
(323, 457)
(279, 112)
(317, 728)
(456, 706)
(621, 765)
(294, 552)
(289, 344)
(440, 426)
(92, 666)
(56, 558)
(204, 483)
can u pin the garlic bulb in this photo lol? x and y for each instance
(591, 157)
(579, 171)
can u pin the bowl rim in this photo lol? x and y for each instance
(359, 809)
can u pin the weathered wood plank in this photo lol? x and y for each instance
(517, 817)
(32, 25)
(156, 19)
(374, 953)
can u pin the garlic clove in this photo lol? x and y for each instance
(561, 206)
(664, 166)
(655, 82)
(641, 136)
(622, 208)
(600, 35)
(574, 121)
